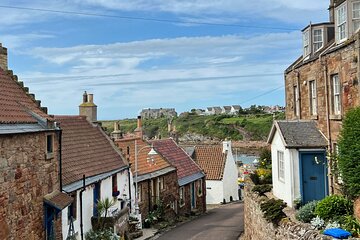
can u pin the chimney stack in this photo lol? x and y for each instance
(88, 108)
(226, 146)
(117, 133)
(3, 58)
(138, 130)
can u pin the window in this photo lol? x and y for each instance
(336, 95)
(306, 43)
(296, 102)
(182, 196)
(161, 183)
(318, 39)
(200, 187)
(139, 193)
(281, 166)
(341, 23)
(72, 207)
(49, 146)
(313, 100)
(356, 15)
(128, 150)
(115, 191)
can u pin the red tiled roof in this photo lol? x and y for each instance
(86, 149)
(15, 103)
(184, 164)
(144, 166)
(212, 160)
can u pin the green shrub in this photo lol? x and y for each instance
(106, 234)
(254, 178)
(306, 212)
(349, 153)
(273, 210)
(350, 224)
(333, 207)
(261, 189)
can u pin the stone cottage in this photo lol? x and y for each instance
(191, 178)
(220, 168)
(30, 185)
(154, 177)
(92, 169)
(323, 83)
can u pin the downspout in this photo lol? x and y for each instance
(149, 196)
(129, 186)
(60, 158)
(81, 208)
(327, 108)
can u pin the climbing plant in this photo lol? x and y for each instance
(349, 153)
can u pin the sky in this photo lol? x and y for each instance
(135, 54)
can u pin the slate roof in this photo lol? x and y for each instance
(145, 166)
(86, 149)
(228, 108)
(299, 134)
(184, 164)
(58, 199)
(16, 106)
(212, 160)
(236, 107)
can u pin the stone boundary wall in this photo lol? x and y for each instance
(257, 228)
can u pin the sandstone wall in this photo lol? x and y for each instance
(26, 176)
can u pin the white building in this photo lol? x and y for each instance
(221, 172)
(299, 165)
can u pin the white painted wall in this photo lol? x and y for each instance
(214, 191)
(105, 191)
(289, 189)
(230, 178)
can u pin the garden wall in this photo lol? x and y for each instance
(257, 228)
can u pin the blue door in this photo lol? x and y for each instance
(313, 176)
(96, 198)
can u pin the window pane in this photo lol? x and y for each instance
(356, 10)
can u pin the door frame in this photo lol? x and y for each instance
(326, 180)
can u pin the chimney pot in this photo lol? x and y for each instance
(85, 97)
(90, 98)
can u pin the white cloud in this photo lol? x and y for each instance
(161, 72)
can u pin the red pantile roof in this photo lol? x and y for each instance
(86, 149)
(15, 103)
(144, 165)
(212, 160)
(184, 164)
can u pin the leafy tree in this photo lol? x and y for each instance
(349, 153)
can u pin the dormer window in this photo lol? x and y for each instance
(306, 43)
(318, 39)
(341, 16)
(356, 15)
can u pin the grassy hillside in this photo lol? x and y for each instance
(247, 127)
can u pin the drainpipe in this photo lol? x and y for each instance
(327, 108)
(129, 177)
(60, 158)
(81, 209)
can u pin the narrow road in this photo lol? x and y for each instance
(225, 223)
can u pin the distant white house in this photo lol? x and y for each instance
(299, 165)
(221, 172)
(235, 109)
(225, 109)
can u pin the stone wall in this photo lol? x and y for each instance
(26, 176)
(257, 228)
(345, 62)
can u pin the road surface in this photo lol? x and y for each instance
(223, 223)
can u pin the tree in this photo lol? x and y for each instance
(349, 153)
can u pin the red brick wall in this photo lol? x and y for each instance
(26, 176)
(200, 199)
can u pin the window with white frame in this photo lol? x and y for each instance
(139, 193)
(161, 183)
(306, 43)
(336, 95)
(318, 39)
(313, 99)
(356, 15)
(341, 17)
(296, 102)
(182, 196)
(281, 166)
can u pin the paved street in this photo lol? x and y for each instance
(225, 223)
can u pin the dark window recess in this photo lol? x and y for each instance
(115, 192)
(128, 150)
(72, 207)
(49, 144)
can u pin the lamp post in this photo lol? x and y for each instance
(151, 154)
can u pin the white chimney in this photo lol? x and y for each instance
(226, 146)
